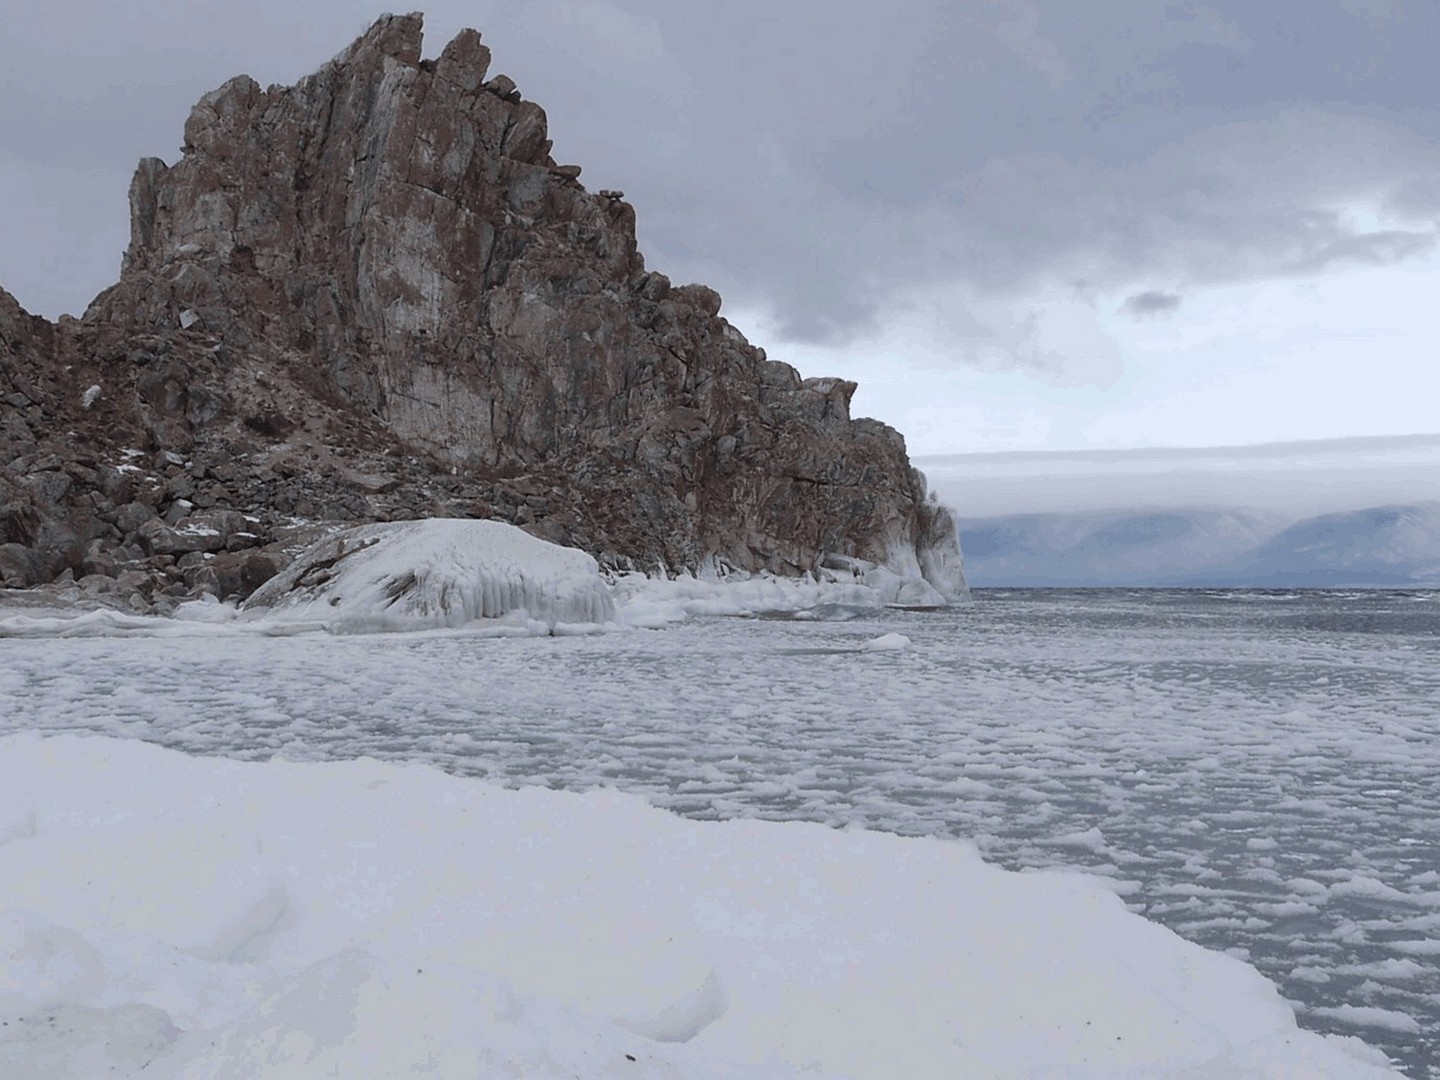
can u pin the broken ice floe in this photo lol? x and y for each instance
(886, 643)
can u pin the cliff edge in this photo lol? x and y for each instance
(376, 295)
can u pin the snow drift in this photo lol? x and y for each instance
(440, 572)
(167, 915)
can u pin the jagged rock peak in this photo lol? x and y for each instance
(397, 36)
(375, 294)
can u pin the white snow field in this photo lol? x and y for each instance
(168, 915)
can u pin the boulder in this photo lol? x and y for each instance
(19, 568)
(237, 574)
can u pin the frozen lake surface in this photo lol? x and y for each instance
(1258, 771)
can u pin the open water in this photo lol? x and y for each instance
(1259, 771)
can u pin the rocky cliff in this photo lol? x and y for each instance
(374, 295)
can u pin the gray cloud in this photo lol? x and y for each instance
(821, 161)
(1151, 303)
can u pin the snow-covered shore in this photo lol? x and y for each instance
(485, 577)
(163, 914)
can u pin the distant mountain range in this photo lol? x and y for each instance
(1394, 545)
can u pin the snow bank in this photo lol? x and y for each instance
(441, 572)
(165, 915)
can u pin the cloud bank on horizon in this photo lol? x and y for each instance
(985, 189)
(1286, 480)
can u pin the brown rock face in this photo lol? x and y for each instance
(375, 294)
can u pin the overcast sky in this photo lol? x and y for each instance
(1019, 224)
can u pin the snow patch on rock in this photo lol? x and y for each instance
(441, 572)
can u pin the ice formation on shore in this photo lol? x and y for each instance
(439, 572)
(487, 576)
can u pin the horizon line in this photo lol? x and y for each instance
(1238, 449)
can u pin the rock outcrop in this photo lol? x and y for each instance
(376, 295)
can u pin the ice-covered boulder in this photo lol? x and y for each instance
(442, 572)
